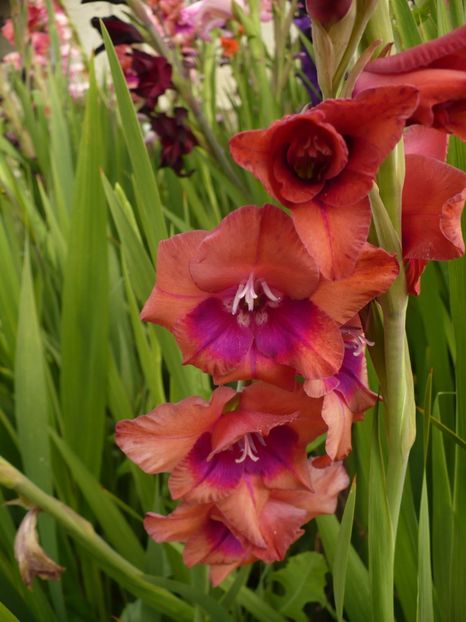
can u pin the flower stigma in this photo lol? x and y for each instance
(248, 448)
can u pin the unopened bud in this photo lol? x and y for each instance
(327, 12)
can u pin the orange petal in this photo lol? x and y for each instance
(373, 274)
(180, 525)
(259, 241)
(339, 420)
(158, 441)
(433, 199)
(425, 141)
(334, 236)
(175, 293)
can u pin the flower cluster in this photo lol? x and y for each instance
(37, 39)
(271, 298)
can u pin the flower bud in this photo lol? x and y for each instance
(327, 12)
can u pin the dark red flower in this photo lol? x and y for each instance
(120, 31)
(322, 163)
(153, 74)
(176, 138)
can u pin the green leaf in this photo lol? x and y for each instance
(425, 606)
(145, 186)
(340, 564)
(6, 615)
(84, 322)
(303, 579)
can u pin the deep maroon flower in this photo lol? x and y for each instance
(154, 75)
(120, 32)
(176, 138)
(327, 12)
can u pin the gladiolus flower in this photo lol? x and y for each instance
(246, 301)
(154, 75)
(433, 199)
(176, 138)
(438, 70)
(211, 538)
(321, 164)
(229, 450)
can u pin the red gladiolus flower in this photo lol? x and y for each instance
(230, 450)
(433, 199)
(327, 12)
(212, 539)
(438, 70)
(246, 301)
(321, 164)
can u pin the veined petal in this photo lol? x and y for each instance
(433, 200)
(425, 141)
(272, 399)
(372, 137)
(156, 442)
(180, 525)
(300, 335)
(333, 236)
(421, 55)
(175, 293)
(339, 420)
(256, 365)
(373, 274)
(230, 428)
(242, 509)
(211, 338)
(214, 544)
(258, 241)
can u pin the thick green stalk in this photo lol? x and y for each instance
(183, 86)
(399, 406)
(114, 564)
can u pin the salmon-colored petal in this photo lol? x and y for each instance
(255, 365)
(175, 293)
(425, 141)
(180, 525)
(156, 442)
(433, 199)
(339, 420)
(242, 510)
(300, 335)
(309, 425)
(421, 55)
(334, 236)
(373, 274)
(214, 544)
(231, 428)
(281, 526)
(327, 482)
(372, 124)
(251, 150)
(258, 241)
(219, 572)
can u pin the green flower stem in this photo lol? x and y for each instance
(114, 564)
(183, 86)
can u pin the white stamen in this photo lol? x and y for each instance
(268, 292)
(358, 341)
(246, 291)
(248, 450)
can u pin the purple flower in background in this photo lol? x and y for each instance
(176, 138)
(303, 22)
